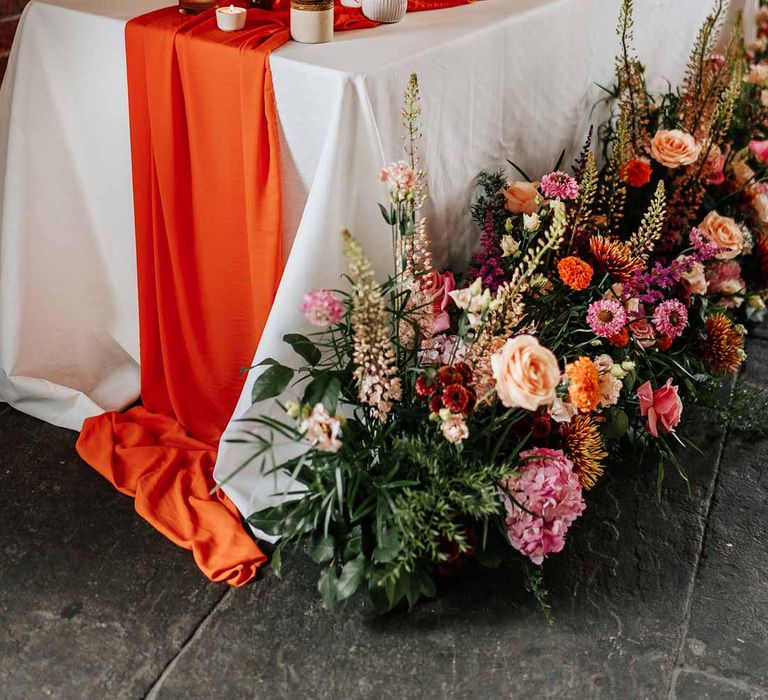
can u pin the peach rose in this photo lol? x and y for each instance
(673, 148)
(526, 373)
(741, 173)
(758, 74)
(725, 233)
(521, 197)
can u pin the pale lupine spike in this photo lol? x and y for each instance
(374, 355)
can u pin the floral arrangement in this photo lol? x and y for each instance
(439, 418)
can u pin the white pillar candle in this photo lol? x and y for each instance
(312, 21)
(231, 19)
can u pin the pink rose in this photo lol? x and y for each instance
(521, 197)
(760, 149)
(437, 286)
(712, 172)
(673, 148)
(526, 373)
(643, 332)
(662, 407)
(724, 232)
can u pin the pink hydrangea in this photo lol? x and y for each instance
(670, 318)
(606, 317)
(322, 307)
(559, 185)
(550, 492)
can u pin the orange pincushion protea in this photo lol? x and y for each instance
(575, 272)
(584, 446)
(721, 347)
(584, 386)
(615, 257)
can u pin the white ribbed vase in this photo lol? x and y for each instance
(385, 10)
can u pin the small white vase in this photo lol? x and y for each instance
(385, 10)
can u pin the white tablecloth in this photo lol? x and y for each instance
(500, 78)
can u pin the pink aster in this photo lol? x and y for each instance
(550, 495)
(322, 307)
(559, 185)
(670, 318)
(606, 317)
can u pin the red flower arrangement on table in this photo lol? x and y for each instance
(444, 417)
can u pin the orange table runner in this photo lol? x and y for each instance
(207, 200)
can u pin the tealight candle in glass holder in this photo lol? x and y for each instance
(231, 19)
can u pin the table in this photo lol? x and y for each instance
(500, 78)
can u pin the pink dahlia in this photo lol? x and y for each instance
(322, 307)
(606, 317)
(670, 318)
(550, 495)
(559, 185)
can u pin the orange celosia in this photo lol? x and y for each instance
(575, 272)
(584, 386)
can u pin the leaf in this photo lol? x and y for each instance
(354, 543)
(388, 547)
(277, 560)
(271, 382)
(269, 520)
(387, 214)
(326, 586)
(617, 424)
(324, 388)
(304, 347)
(322, 548)
(352, 575)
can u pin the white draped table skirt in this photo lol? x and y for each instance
(500, 79)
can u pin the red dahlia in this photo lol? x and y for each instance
(636, 172)
(425, 387)
(456, 398)
(449, 374)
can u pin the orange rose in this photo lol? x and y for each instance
(526, 373)
(674, 148)
(521, 197)
(725, 233)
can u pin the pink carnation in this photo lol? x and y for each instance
(606, 317)
(550, 492)
(322, 307)
(559, 185)
(670, 318)
(662, 407)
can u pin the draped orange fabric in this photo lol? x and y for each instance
(207, 200)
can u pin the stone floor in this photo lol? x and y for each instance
(651, 600)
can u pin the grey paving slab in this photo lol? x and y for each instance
(699, 685)
(93, 602)
(620, 595)
(728, 628)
